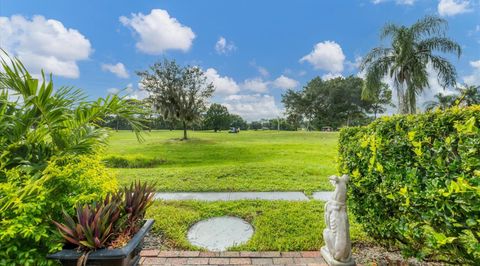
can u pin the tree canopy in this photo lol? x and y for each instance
(177, 93)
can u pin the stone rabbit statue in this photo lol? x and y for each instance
(337, 249)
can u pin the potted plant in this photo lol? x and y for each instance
(109, 232)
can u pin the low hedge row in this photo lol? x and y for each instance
(415, 181)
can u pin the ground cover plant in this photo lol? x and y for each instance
(248, 161)
(279, 225)
(416, 182)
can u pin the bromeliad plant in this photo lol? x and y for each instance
(110, 223)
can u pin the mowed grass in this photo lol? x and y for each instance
(248, 161)
(278, 225)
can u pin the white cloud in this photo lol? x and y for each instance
(474, 78)
(453, 7)
(159, 32)
(118, 69)
(224, 47)
(255, 85)
(223, 85)
(263, 71)
(284, 82)
(113, 91)
(252, 107)
(331, 76)
(355, 64)
(327, 56)
(44, 44)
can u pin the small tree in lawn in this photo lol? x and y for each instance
(217, 117)
(177, 93)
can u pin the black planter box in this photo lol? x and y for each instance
(127, 256)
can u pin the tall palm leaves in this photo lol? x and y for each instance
(469, 95)
(38, 121)
(407, 59)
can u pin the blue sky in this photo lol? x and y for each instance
(251, 50)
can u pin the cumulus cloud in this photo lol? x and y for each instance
(329, 76)
(284, 82)
(252, 106)
(453, 7)
(44, 44)
(474, 78)
(159, 32)
(118, 69)
(222, 46)
(327, 55)
(223, 85)
(255, 85)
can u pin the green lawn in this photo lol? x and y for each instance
(249, 161)
(279, 225)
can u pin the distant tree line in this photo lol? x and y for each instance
(334, 103)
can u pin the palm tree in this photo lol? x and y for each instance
(469, 95)
(38, 122)
(441, 101)
(406, 61)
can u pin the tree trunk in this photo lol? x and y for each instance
(184, 130)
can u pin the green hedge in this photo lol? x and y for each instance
(416, 182)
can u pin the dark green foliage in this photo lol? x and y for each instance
(237, 121)
(415, 180)
(135, 161)
(334, 103)
(217, 117)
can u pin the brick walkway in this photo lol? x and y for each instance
(306, 258)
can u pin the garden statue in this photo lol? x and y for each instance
(337, 249)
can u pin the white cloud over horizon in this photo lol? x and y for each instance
(223, 85)
(327, 55)
(453, 7)
(252, 107)
(474, 78)
(224, 47)
(118, 69)
(158, 32)
(46, 44)
(256, 85)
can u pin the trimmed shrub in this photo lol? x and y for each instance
(29, 201)
(134, 161)
(415, 180)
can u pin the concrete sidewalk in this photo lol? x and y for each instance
(230, 196)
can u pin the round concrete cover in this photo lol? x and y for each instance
(220, 233)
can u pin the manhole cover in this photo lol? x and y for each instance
(220, 233)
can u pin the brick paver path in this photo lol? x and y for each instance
(156, 257)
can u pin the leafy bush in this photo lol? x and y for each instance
(135, 161)
(47, 136)
(29, 201)
(416, 181)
